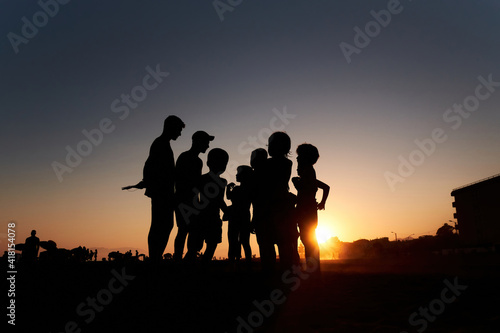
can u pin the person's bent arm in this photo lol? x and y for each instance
(326, 192)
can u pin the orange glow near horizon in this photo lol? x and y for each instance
(323, 233)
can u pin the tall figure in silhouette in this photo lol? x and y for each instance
(31, 247)
(187, 174)
(207, 226)
(307, 186)
(274, 190)
(159, 173)
(238, 229)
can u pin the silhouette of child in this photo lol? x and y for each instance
(275, 227)
(207, 227)
(306, 210)
(258, 160)
(238, 231)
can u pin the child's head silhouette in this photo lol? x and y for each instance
(279, 144)
(244, 173)
(258, 157)
(217, 160)
(307, 154)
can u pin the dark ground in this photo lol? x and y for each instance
(351, 296)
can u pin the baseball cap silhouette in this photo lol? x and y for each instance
(202, 136)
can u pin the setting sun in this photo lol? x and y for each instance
(323, 234)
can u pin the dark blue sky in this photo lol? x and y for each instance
(226, 77)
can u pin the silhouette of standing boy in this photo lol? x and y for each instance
(207, 226)
(159, 171)
(306, 210)
(238, 230)
(187, 174)
(257, 162)
(275, 226)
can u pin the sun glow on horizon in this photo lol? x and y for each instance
(323, 233)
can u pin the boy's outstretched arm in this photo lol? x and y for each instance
(139, 185)
(326, 191)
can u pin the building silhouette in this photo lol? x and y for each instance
(477, 211)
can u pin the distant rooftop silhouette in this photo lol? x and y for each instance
(476, 207)
(474, 183)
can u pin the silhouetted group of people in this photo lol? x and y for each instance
(32, 246)
(83, 254)
(279, 217)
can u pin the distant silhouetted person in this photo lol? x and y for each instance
(207, 227)
(159, 179)
(306, 210)
(31, 247)
(238, 230)
(187, 175)
(276, 226)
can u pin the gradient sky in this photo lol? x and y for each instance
(226, 77)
